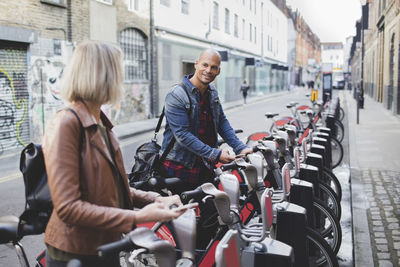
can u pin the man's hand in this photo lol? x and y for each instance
(246, 151)
(226, 157)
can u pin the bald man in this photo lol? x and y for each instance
(192, 132)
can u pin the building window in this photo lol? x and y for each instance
(236, 26)
(227, 26)
(251, 32)
(255, 6)
(164, 2)
(215, 16)
(134, 46)
(108, 2)
(255, 34)
(243, 28)
(185, 6)
(251, 4)
(244, 2)
(133, 5)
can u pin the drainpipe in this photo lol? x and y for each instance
(153, 66)
(69, 21)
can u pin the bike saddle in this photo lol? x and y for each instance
(270, 115)
(8, 229)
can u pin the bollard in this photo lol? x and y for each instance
(291, 222)
(302, 194)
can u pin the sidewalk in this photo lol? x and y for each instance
(138, 127)
(375, 182)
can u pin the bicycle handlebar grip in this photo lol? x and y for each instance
(229, 166)
(168, 182)
(238, 131)
(114, 247)
(188, 195)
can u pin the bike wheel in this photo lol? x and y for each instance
(341, 114)
(337, 152)
(328, 225)
(330, 199)
(332, 181)
(321, 253)
(339, 129)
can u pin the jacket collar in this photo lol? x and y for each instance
(87, 118)
(190, 87)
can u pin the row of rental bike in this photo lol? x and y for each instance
(279, 206)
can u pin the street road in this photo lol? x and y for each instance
(250, 118)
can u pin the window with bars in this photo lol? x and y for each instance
(215, 15)
(227, 23)
(134, 46)
(236, 26)
(185, 7)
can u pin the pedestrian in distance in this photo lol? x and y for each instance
(244, 88)
(196, 152)
(93, 203)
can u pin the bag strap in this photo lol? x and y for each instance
(171, 144)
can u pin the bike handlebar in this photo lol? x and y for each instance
(229, 166)
(115, 247)
(192, 194)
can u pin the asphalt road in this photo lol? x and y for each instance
(250, 118)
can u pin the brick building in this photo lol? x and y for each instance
(37, 38)
(308, 51)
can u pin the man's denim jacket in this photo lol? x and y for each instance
(188, 145)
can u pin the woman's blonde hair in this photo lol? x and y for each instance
(95, 73)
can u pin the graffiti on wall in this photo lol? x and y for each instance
(45, 87)
(13, 110)
(134, 104)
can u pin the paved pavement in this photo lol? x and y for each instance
(375, 182)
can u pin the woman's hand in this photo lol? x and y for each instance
(157, 212)
(169, 201)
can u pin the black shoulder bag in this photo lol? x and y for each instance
(38, 204)
(147, 159)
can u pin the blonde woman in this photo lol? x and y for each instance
(93, 203)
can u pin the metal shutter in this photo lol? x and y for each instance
(14, 97)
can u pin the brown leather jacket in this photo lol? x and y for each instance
(83, 188)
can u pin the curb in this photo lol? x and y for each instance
(362, 249)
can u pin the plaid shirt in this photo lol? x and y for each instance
(207, 136)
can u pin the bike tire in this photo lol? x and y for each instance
(339, 129)
(324, 254)
(332, 181)
(341, 114)
(330, 199)
(337, 152)
(330, 228)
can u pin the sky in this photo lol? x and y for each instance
(331, 20)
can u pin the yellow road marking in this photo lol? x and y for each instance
(10, 177)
